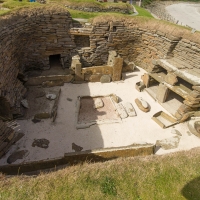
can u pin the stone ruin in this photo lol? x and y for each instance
(47, 48)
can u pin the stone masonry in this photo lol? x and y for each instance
(27, 41)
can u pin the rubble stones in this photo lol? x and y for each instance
(42, 143)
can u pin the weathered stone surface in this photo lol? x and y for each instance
(145, 78)
(111, 58)
(129, 109)
(142, 105)
(195, 94)
(139, 86)
(93, 78)
(117, 69)
(169, 143)
(171, 79)
(122, 112)
(17, 155)
(53, 83)
(24, 103)
(105, 79)
(162, 93)
(184, 109)
(42, 143)
(98, 103)
(115, 98)
(197, 88)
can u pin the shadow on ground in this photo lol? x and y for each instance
(191, 191)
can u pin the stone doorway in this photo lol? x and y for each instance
(55, 61)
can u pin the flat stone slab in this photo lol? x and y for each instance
(121, 110)
(129, 109)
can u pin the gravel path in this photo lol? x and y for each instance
(186, 14)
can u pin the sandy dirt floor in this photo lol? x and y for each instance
(186, 14)
(63, 133)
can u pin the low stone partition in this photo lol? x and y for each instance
(100, 155)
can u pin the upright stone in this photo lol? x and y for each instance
(117, 69)
(78, 75)
(145, 78)
(162, 93)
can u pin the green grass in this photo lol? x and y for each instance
(143, 12)
(169, 177)
(15, 4)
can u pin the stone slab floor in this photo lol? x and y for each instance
(62, 133)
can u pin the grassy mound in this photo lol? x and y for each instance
(174, 176)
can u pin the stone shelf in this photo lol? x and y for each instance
(179, 89)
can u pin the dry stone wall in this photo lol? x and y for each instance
(28, 38)
(27, 41)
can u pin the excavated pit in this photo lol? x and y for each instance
(49, 95)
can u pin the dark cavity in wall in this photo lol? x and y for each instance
(82, 41)
(55, 61)
(5, 111)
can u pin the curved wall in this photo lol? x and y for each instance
(29, 37)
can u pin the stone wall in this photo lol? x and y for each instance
(28, 38)
(139, 45)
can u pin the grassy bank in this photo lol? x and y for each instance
(15, 4)
(170, 177)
